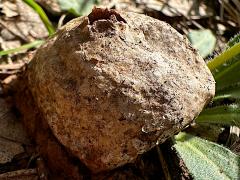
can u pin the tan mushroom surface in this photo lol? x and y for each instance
(112, 85)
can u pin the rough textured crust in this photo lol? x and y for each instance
(112, 85)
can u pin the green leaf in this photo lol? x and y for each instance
(207, 160)
(77, 7)
(226, 57)
(228, 74)
(203, 40)
(225, 114)
(225, 67)
(229, 92)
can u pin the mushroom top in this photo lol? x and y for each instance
(113, 84)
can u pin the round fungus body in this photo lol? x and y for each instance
(112, 85)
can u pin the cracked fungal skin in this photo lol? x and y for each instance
(112, 85)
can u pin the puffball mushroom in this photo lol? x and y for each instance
(112, 85)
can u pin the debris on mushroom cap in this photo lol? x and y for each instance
(114, 84)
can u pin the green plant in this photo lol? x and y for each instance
(22, 48)
(42, 15)
(203, 40)
(77, 7)
(205, 159)
(226, 71)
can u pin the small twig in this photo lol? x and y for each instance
(233, 136)
(60, 22)
(221, 10)
(19, 174)
(234, 14)
(237, 3)
(11, 66)
(163, 163)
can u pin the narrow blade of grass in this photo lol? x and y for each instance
(228, 75)
(42, 15)
(224, 57)
(22, 48)
(226, 115)
(229, 92)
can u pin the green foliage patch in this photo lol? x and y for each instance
(77, 7)
(205, 159)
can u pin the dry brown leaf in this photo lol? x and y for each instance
(24, 174)
(12, 134)
(8, 149)
(19, 23)
(178, 7)
(170, 8)
(9, 9)
(10, 127)
(51, 5)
